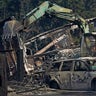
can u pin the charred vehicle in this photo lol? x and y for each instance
(73, 74)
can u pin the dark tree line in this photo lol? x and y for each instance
(18, 8)
(86, 8)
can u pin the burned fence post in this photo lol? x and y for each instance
(19, 57)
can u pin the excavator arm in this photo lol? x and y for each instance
(55, 10)
(44, 8)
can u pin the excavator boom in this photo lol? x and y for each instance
(40, 11)
(58, 11)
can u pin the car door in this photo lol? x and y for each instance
(80, 76)
(65, 74)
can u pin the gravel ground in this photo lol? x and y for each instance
(51, 92)
(45, 91)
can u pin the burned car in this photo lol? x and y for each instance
(73, 74)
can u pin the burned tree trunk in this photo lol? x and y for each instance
(3, 78)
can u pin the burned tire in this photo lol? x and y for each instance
(54, 85)
(93, 85)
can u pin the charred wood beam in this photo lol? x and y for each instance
(50, 44)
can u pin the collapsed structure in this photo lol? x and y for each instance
(61, 39)
(46, 8)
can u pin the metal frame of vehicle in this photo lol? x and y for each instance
(74, 80)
